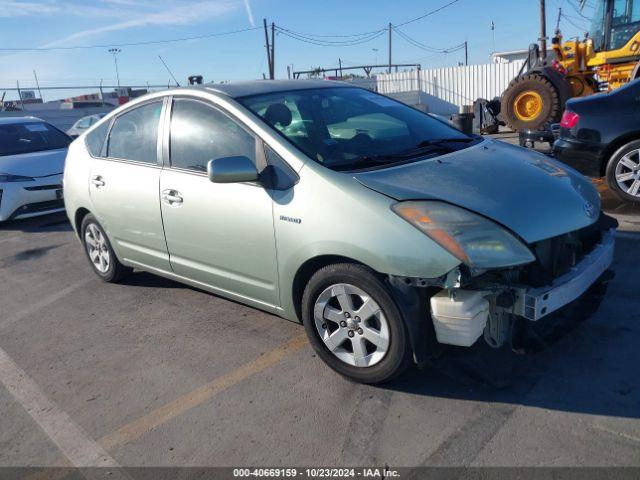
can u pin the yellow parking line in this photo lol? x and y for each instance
(163, 414)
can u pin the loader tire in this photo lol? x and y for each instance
(530, 102)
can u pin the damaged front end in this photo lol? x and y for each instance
(469, 303)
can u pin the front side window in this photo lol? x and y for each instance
(134, 135)
(17, 138)
(347, 128)
(200, 133)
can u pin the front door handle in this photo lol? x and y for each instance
(97, 181)
(172, 197)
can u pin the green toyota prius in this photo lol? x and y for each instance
(382, 229)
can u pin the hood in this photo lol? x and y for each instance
(525, 191)
(35, 164)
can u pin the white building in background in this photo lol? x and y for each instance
(516, 55)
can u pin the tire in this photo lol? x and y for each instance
(625, 163)
(382, 323)
(98, 249)
(537, 86)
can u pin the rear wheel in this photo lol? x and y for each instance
(530, 102)
(354, 324)
(623, 172)
(99, 252)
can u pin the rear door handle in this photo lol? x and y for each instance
(172, 197)
(97, 181)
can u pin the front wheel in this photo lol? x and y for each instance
(354, 324)
(530, 102)
(623, 172)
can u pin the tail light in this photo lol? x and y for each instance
(569, 119)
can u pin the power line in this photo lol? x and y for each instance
(427, 14)
(355, 38)
(311, 35)
(332, 43)
(428, 48)
(130, 44)
(568, 19)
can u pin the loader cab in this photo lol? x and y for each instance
(614, 23)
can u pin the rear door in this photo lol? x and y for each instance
(124, 187)
(218, 234)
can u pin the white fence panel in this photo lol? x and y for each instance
(447, 90)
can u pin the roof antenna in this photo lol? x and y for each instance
(168, 70)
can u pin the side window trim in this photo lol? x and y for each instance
(105, 145)
(260, 159)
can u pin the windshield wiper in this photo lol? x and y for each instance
(426, 146)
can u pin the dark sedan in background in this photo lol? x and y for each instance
(600, 136)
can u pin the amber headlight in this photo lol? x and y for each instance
(473, 239)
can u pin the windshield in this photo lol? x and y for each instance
(30, 137)
(347, 128)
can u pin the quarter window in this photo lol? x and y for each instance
(95, 139)
(134, 135)
(200, 133)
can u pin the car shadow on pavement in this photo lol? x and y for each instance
(148, 280)
(571, 364)
(55, 222)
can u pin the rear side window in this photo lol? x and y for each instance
(95, 139)
(200, 133)
(134, 135)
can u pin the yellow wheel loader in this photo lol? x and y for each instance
(607, 58)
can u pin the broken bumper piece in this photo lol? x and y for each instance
(534, 304)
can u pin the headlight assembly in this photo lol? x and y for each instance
(473, 239)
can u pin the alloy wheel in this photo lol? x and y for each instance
(97, 248)
(627, 173)
(352, 325)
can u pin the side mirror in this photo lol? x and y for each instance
(232, 170)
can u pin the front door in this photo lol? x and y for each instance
(220, 235)
(124, 188)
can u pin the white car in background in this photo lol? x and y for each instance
(32, 155)
(83, 124)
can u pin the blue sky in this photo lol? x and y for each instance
(65, 23)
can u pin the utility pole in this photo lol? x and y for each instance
(266, 39)
(543, 30)
(20, 95)
(340, 65)
(115, 52)
(169, 70)
(38, 85)
(390, 28)
(466, 54)
(273, 51)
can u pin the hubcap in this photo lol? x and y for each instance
(628, 173)
(96, 245)
(528, 105)
(352, 325)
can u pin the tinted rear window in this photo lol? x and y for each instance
(30, 137)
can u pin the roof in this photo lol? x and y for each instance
(17, 120)
(257, 87)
